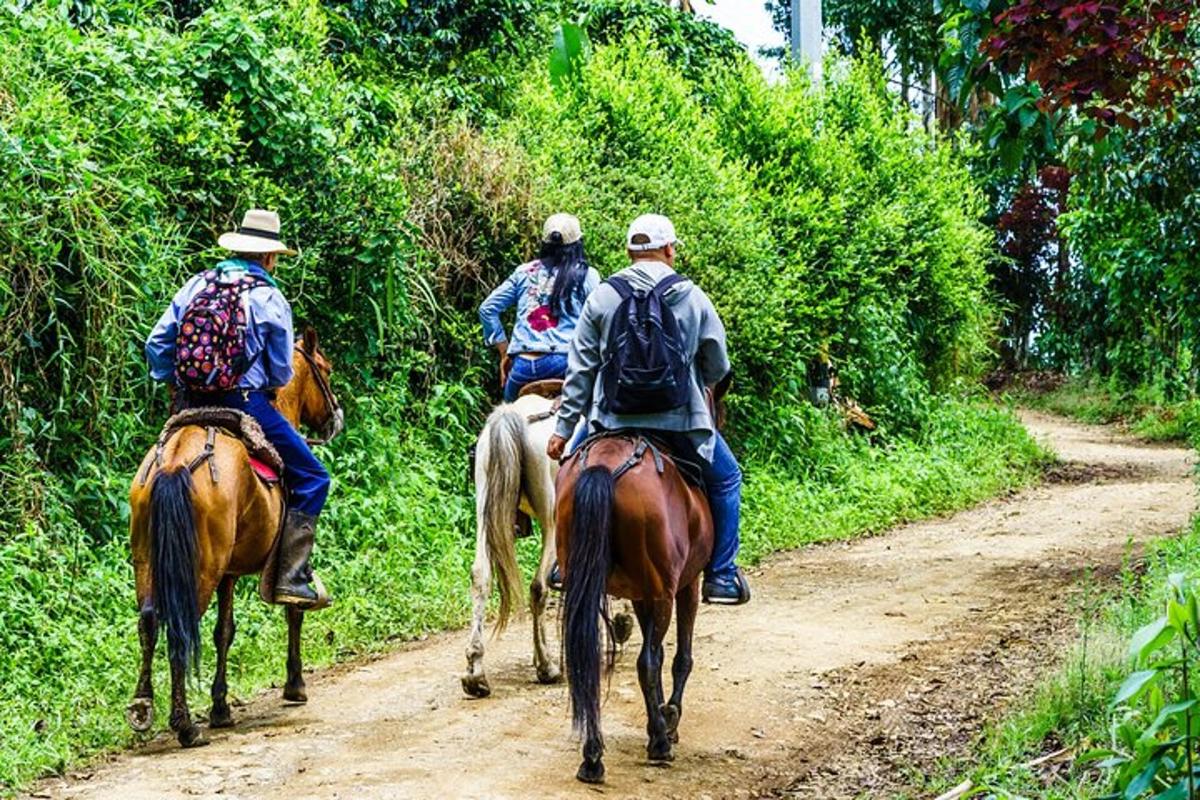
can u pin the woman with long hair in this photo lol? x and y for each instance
(548, 293)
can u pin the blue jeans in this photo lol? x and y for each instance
(723, 481)
(528, 370)
(306, 479)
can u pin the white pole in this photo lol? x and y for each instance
(806, 35)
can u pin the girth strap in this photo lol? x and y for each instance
(641, 445)
(205, 455)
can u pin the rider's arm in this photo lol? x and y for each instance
(711, 352)
(582, 363)
(271, 316)
(500, 300)
(160, 344)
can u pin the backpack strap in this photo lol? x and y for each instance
(621, 287)
(663, 286)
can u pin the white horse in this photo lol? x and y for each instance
(512, 471)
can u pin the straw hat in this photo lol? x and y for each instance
(259, 234)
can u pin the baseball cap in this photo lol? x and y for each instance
(565, 225)
(650, 232)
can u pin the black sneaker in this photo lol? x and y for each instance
(727, 590)
(554, 579)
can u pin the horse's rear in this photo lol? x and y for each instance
(629, 525)
(512, 473)
(199, 518)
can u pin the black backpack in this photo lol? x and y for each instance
(647, 370)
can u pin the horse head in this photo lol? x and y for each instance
(315, 404)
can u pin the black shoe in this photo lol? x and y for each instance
(554, 579)
(294, 575)
(727, 590)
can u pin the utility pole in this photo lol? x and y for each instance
(806, 35)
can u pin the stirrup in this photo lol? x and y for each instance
(305, 603)
(743, 590)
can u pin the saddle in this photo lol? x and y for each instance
(550, 389)
(644, 441)
(264, 459)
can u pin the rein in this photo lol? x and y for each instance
(334, 424)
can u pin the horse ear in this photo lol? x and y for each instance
(310, 340)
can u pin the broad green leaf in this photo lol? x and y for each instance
(570, 52)
(1165, 714)
(1144, 780)
(1177, 792)
(1134, 685)
(1150, 637)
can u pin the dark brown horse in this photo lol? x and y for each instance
(200, 521)
(629, 526)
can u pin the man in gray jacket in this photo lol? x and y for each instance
(688, 429)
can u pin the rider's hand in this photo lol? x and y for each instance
(556, 446)
(505, 363)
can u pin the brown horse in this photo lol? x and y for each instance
(630, 526)
(199, 522)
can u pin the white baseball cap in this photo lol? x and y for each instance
(565, 225)
(650, 232)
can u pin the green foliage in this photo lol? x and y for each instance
(694, 46)
(1155, 710)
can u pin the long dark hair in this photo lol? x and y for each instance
(569, 264)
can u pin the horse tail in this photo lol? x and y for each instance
(173, 564)
(586, 603)
(500, 493)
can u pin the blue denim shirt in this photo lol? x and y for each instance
(536, 329)
(269, 339)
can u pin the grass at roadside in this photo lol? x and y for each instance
(1069, 708)
(395, 546)
(1143, 410)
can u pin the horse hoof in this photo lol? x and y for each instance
(660, 753)
(220, 718)
(140, 714)
(671, 714)
(476, 686)
(549, 675)
(622, 628)
(192, 737)
(591, 773)
(295, 694)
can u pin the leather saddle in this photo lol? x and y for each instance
(264, 459)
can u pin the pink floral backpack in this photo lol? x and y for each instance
(210, 349)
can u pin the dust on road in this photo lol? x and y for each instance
(834, 633)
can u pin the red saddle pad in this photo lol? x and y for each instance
(263, 471)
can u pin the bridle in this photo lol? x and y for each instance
(336, 419)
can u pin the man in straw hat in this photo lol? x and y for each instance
(244, 373)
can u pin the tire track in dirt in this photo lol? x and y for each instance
(785, 690)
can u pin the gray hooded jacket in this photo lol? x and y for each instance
(703, 341)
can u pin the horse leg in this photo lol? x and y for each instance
(547, 667)
(654, 618)
(687, 602)
(293, 690)
(475, 682)
(186, 731)
(623, 624)
(219, 716)
(140, 713)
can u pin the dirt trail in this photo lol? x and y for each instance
(782, 688)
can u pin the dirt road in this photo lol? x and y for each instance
(789, 693)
